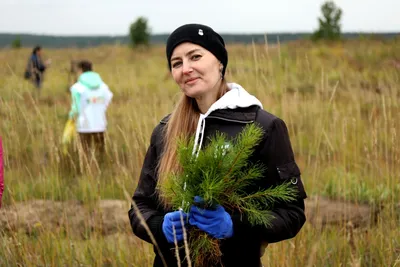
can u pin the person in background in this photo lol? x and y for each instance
(36, 67)
(198, 59)
(90, 100)
(1, 172)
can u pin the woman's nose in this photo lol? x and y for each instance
(187, 68)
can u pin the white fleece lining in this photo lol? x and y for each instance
(236, 97)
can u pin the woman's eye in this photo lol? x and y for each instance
(176, 64)
(196, 57)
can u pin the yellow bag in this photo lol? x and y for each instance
(68, 134)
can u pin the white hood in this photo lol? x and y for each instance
(236, 97)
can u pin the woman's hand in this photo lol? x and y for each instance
(173, 219)
(217, 223)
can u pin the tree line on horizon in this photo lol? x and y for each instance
(26, 40)
(329, 29)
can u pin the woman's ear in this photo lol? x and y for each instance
(221, 68)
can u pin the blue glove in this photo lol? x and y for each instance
(174, 219)
(217, 223)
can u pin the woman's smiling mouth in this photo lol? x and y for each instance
(191, 81)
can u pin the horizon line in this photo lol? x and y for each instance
(221, 33)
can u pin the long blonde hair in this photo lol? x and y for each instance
(181, 124)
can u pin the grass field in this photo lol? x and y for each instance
(341, 103)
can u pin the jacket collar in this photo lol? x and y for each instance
(239, 114)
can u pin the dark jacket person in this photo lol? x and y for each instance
(198, 59)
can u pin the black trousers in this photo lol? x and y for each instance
(93, 141)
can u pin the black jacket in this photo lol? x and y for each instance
(275, 152)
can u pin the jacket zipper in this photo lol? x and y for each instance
(224, 119)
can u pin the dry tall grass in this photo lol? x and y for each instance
(340, 102)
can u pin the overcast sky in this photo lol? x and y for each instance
(113, 17)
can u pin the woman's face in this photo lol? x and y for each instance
(196, 70)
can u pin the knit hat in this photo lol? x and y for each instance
(201, 35)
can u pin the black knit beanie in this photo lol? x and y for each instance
(201, 35)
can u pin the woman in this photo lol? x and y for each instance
(198, 59)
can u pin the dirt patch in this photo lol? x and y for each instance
(105, 218)
(109, 217)
(321, 212)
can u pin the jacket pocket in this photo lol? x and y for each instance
(289, 171)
